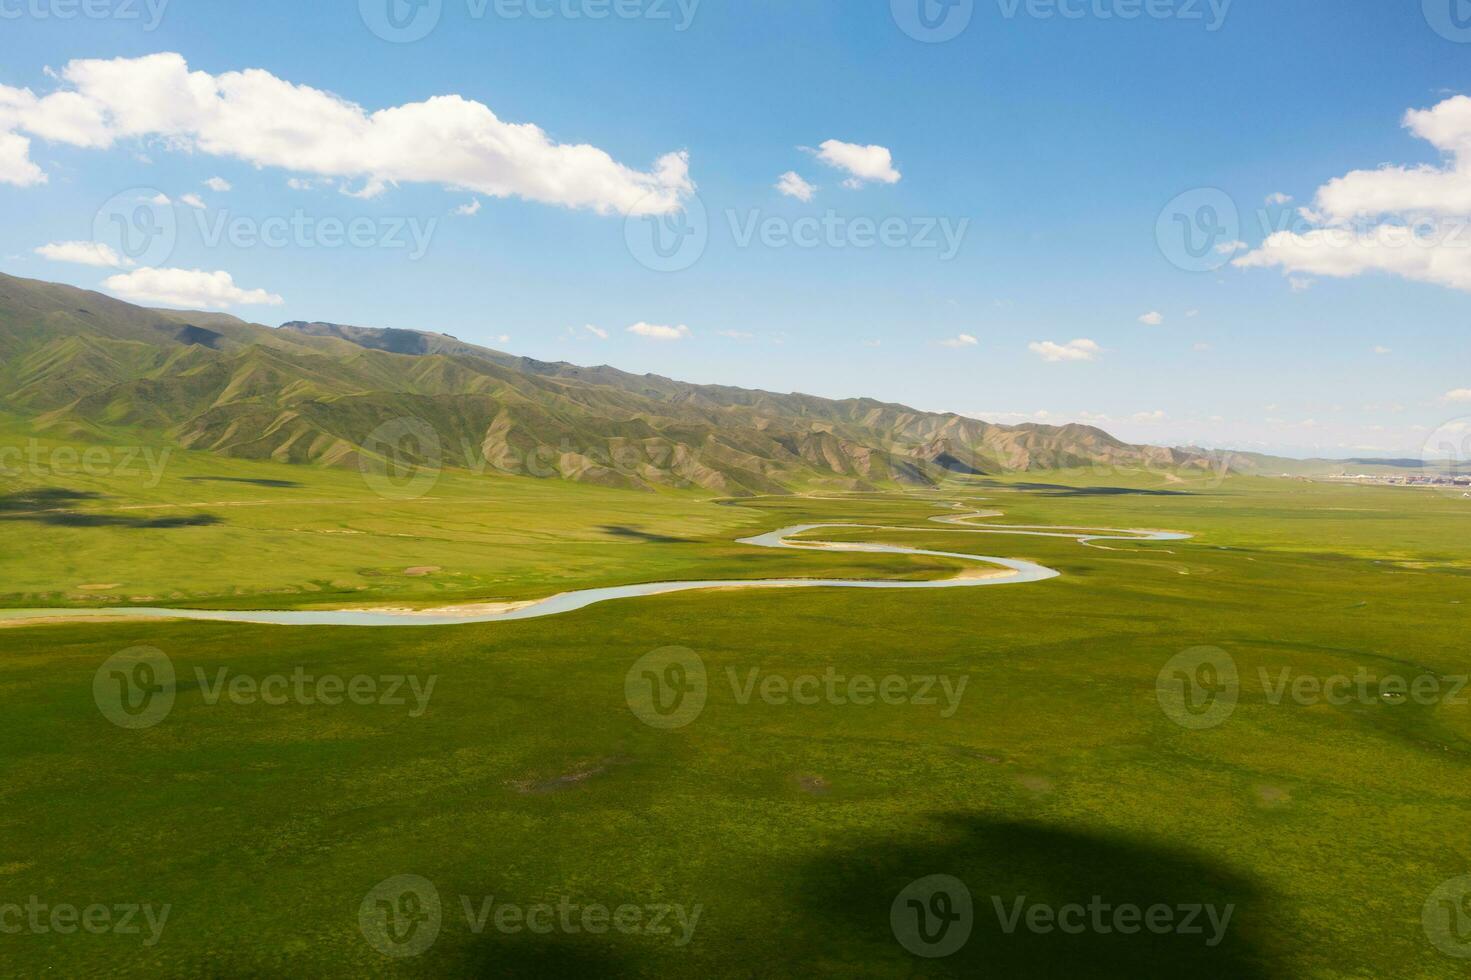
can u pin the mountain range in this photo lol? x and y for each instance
(79, 364)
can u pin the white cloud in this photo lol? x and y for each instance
(303, 183)
(1279, 198)
(1397, 189)
(1382, 350)
(188, 288)
(1343, 253)
(193, 200)
(162, 200)
(1387, 220)
(469, 210)
(597, 332)
(792, 185)
(266, 121)
(82, 253)
(1153, 319)
(1073, 350)
(62, 117)
(1459, 395)
(218, 184)
(960, 340)
(657, 331)
(1156, 416)
(1231, 248)
(1299, 285)
(864, 163)
(15, 161)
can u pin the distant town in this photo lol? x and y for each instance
(1407, 479)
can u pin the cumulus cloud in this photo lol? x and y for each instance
(1459, 395)
(1389, 220)
(15, 161)
(1381, 349)
(1343, 253)
(266, 121)
(192, 289)
(960, 340)
(1279, 198)
(1073, 350)
(469, 210)
(218, 184)
(193, 200)
(83, 253)
(792, 185)
(865, 164)
(657, 331)
(1396, 189)
(1152, 319)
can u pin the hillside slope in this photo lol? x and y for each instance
(80, 363)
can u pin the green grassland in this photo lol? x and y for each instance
(528, 777)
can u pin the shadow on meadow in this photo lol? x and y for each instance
(277, 484)
(852, 892)
(1060, 490)
(48, 506)
(624, 531)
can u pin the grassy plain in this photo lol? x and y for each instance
(528, 777)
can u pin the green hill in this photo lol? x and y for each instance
(79, 362)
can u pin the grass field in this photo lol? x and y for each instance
(528, 778)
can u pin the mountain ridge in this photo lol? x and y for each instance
(316, 392)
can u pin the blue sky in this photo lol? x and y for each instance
(1047, 147)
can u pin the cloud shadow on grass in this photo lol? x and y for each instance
(48, 506)
(623, 531)
(276, 484)
(849, 893)
(1061, 490)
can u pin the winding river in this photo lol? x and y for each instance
(1007, 571)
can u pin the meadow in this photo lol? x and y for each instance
(768, 836)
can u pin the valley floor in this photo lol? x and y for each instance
(734, 783)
